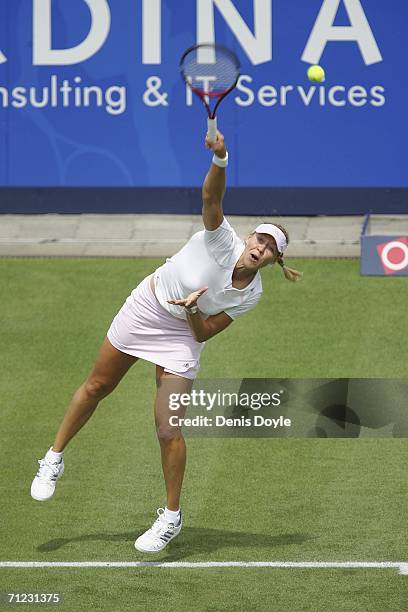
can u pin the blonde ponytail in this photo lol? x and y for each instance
(290, 273)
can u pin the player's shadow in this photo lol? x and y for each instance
(191, 541)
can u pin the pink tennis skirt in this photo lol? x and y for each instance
(144, 329)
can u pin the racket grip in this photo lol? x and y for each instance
(212, 129)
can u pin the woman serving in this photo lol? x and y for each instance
(166, 320)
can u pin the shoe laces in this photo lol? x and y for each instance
(48, 471)
(160, 525)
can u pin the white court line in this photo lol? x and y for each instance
(400, 565)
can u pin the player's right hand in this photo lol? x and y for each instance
(218, 146)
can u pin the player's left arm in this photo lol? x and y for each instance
(214, 186)
(202, 329)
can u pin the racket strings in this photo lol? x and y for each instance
(212, 79)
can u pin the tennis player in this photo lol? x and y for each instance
(166, 320)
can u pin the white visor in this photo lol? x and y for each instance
(275, 232)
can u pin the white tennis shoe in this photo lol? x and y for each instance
(43, 485)
(159, 535)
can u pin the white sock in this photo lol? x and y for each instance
(53, 456)
(172, 516)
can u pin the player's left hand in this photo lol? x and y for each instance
(191, 300)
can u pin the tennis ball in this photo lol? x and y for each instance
(316, 74)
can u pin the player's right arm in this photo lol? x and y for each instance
(214, 186)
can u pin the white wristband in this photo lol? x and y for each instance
(221, 162)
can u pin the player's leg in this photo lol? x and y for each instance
(173, 456)
(172, 444)
(110, 367)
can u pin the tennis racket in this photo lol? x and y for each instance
(212, 72)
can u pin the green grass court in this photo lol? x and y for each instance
(244, 499)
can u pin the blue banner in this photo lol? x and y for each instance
(91, 96)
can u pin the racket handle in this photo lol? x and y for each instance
(212, 129)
